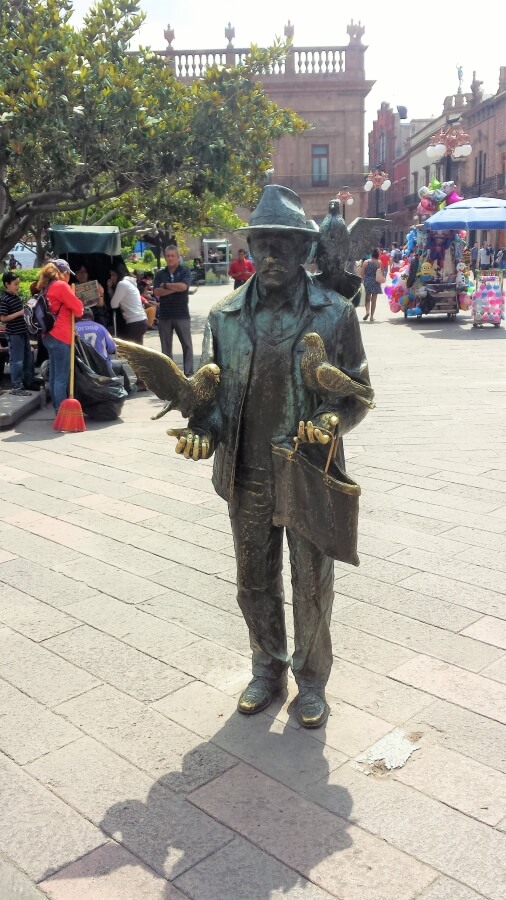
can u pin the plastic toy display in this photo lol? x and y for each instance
(488, 301)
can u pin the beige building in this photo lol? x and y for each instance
(327, 86)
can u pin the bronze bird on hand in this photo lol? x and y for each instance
(167, 381)
(320, 376)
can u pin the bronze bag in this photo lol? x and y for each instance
(319, 503)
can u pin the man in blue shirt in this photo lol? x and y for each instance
(96, 335)
(170, 288)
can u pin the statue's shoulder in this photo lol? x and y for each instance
(320, 295)
(231, 302)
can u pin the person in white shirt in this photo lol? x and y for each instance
(126, 297)
(484, 257)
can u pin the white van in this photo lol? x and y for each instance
(24, 254)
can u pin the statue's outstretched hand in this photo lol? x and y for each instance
(319, 431)
(192, 443)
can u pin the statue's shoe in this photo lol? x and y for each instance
(258, 695)
(312, 710)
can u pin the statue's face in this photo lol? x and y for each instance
(277, 256)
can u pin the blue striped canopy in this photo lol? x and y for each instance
(476, 212)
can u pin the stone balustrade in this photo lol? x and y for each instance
(189, 64)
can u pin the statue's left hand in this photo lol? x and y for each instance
(193, 443)
(319, 431)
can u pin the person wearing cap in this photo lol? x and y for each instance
(254, 335)
(54, 282)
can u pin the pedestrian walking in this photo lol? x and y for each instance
(368, 271)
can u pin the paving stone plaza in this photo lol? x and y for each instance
(126, 772)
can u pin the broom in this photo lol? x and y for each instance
(70, 414)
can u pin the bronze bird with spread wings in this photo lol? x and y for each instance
(320, 376)
(167, 381)
(339, 246)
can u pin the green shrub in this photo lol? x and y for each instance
(149, 257)
(26, 276)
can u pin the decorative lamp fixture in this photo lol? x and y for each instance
(450, 142)
(378, 180)
(344, 196)
(345, 199)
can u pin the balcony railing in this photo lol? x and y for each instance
(488, 187)
(332, 184)
(298, 61)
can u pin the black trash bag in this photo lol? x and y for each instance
(100, 395)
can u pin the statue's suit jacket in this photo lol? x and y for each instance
(229, 339)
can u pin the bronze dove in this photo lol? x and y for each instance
(339, 247)
(167, 381)
(320, 376)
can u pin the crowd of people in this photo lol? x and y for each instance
(123, 304)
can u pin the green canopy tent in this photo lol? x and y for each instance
(97, 248)
(85, 239)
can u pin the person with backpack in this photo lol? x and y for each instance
(20, 351)
(53, 283)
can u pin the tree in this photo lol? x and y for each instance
(84, 120)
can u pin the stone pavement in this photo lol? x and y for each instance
(126, 772)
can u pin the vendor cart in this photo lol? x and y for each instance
(488, 299)
(442, 299)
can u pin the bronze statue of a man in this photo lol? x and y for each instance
(254, 336)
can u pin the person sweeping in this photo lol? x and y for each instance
(63, 303)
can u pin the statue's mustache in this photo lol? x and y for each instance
(271, 267)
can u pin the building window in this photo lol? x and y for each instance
(415, 182)
(426, 170)
(382, 148)
(320, 165)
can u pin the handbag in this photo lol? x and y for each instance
(319, 503)
(380, 278)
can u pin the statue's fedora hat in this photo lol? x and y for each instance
(280, 209)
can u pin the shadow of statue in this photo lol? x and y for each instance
(234, 821)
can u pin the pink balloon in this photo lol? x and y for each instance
(453, 198)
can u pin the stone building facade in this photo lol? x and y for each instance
(483, 173)
(327, 86)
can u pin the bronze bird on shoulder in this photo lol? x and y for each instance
(339, 246)
(323, 378)
(162, 376)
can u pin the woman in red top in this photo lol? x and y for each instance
(54, 281)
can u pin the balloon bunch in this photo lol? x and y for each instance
(488, 301)
(436, 196)
(398, 295)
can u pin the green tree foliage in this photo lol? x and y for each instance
(84, 120)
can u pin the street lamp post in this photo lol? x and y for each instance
(378, 180)
(453, 143)
(345, 199)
